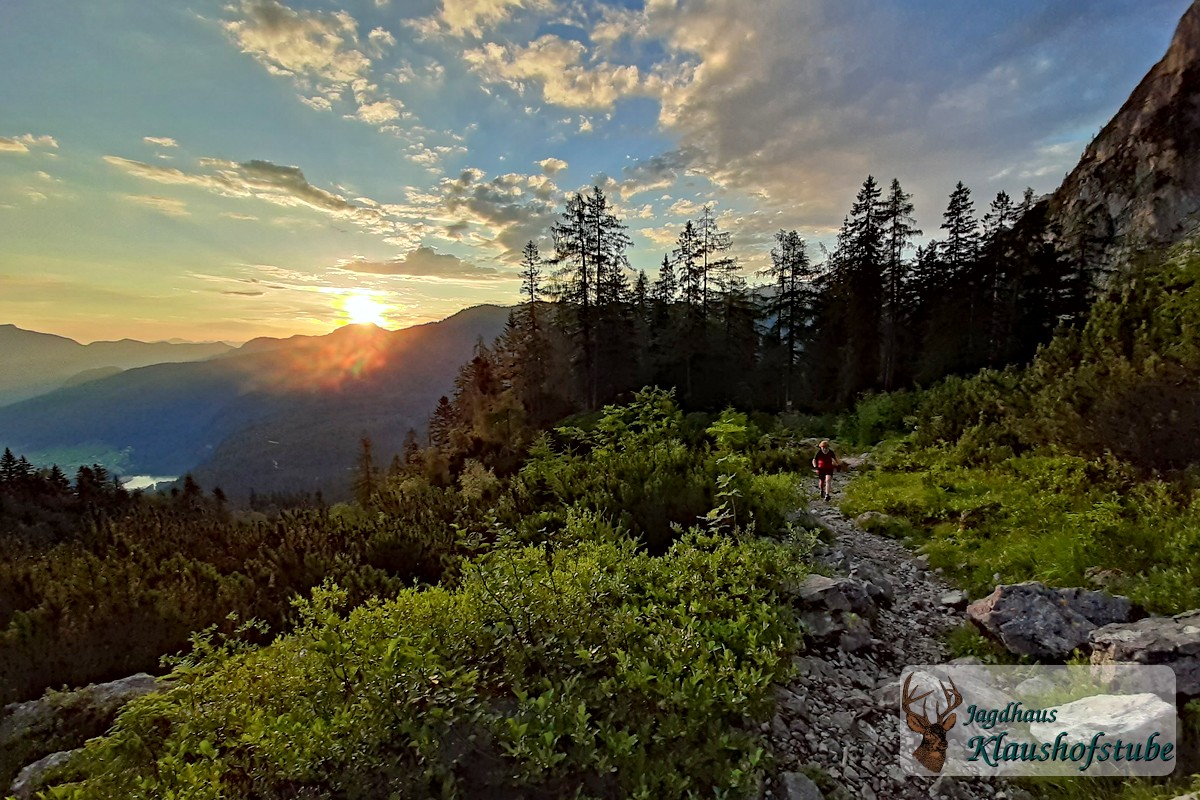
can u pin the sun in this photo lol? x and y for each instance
(362, 309)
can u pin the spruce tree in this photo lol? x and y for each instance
(899, 228)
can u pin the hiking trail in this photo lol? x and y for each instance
(840, 713)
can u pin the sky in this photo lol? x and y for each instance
(226, 170)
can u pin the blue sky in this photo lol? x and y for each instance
(222, 170)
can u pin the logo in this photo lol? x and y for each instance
(1031, 720)
(932, 750)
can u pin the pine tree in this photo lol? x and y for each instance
(962, 237)
(366, 478)
(441, 423)
(686, 260)
(666, 288)
(790, 305)
(899, 228)
(713, 265)
(857, 284)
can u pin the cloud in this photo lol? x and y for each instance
(23, 143)
(169, 206)
(472, 17)
(557, 67)
(381, 38)
(379, 112)
(513, 208)
(160, 141)
(552, 166)
(282, 186)
(320, 52)
(424, 262)
(241, 217)
(657, 172)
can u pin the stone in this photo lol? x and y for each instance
(29, 779)
(872, 520)
(955, 599)
(835, 594)
(1036, 620)
(63, 720)
(878, 583)
(1174, 641)
(1127, 716)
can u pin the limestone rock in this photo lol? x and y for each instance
(798, 786)
(1174, 641)
(1128, 716)
(819, 592)
(955, 599)
(63, 720)
(29, 780)
(1036, 620)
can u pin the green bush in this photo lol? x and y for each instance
(592, 666)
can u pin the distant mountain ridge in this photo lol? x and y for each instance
(273, 415)
(1137, 184)
(34, 363)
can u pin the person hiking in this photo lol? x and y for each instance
(825, 462)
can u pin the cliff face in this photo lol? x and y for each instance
(1138, 182)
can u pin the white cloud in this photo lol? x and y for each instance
(472, 17)
(321, 52)
(23, 143)
(381, 38)
(552, 166)
(379, 112)
(160, 141)
(556, 66)
(169, 206)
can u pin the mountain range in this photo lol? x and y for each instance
(33, 363)
(272, 415)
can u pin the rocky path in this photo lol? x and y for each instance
(839, 715)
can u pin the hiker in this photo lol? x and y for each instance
(825, 462)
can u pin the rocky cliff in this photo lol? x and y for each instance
(1138, 182)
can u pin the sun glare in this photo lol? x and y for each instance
(361, 309)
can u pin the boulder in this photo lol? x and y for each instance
(955, 599)
(29, 780)
(1174, 641)
(1036, 620)
(798, 786)
(1132, 717)
(878, 583)
(819, 592)
(63, 720)
(836, 610)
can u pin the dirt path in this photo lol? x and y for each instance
(840, 713)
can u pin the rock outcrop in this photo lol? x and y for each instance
(1138, 182)
(1174, 641)
(62, 721)
(1035, 620)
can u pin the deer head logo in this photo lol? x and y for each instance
(932, 751)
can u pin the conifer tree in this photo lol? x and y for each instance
(366, 478)
(666, 288)
(899, 228)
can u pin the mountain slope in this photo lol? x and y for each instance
(286, 415)
(1138, 182)
(33, 363)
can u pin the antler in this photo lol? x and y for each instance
(953, 700)
(912, 698)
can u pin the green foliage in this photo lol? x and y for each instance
(877, 416)
(634, 467)
(1060, 519)
(591, 666)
